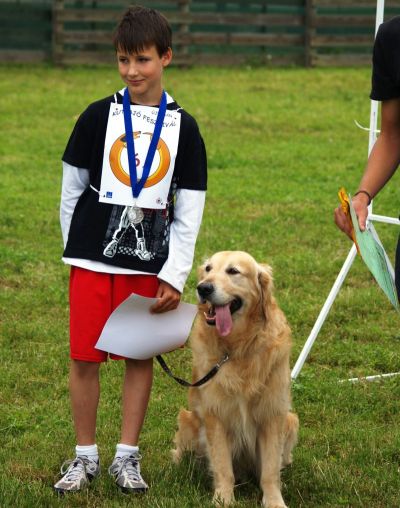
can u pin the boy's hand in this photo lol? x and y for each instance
(168, 298)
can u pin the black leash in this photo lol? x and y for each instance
(201, 381)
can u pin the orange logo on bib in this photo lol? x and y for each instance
(116, 165)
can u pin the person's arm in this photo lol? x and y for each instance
(382, 164)
(188, 212)
(74, 182)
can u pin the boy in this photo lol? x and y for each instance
(385, 155)
(125, 234)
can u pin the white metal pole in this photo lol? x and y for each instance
(324, 312)
(373, 119)
(383, 218)
(377, 377)
(380, 8)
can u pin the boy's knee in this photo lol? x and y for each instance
(84, 369)
(139, 367)
(130, 362)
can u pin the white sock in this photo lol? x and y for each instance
(123, 449)
(90, 451)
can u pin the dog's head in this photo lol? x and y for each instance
(233, 287)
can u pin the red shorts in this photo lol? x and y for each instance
(93, 297)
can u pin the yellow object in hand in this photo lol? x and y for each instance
(345, 204)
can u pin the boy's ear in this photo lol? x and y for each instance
(167, 57)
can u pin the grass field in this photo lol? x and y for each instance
(280, 143)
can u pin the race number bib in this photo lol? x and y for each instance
(115, 185)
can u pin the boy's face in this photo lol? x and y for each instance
(142, 73)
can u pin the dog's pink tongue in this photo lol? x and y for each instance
(223, 320)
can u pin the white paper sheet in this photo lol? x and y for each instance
(132, 331)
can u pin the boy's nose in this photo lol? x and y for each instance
(132, 71)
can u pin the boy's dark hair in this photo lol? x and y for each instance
(141, 27)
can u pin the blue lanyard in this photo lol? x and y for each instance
(137, 185)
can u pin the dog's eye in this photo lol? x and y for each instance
(232, 271)
(208, 268)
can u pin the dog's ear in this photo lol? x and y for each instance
(266, 283)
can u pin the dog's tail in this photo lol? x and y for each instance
(291, 431)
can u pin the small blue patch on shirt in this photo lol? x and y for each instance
(108, 194)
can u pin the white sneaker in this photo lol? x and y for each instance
(77, 474)
(126, 473)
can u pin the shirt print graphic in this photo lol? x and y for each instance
(146, 239)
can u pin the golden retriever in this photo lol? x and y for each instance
(241, 417)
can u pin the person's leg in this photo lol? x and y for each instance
(90, 306)
(84, 393)
(135, 397)
(138, 373)
(125, 467)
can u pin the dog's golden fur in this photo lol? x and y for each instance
(241, 417)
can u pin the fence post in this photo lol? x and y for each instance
(57, 43)
(184, 8)
(309, 31)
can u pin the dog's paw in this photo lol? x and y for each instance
(286, 460)
(176, 456)
(273, 503)
(223, 497)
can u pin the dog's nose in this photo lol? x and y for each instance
(205, 289)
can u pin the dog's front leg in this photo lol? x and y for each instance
(220, 457)
(270, 442)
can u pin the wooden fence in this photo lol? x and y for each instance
(341, 32)
(25, 31)
(305, 32)
(205, 32)
(220, 32)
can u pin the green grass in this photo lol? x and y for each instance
(280, 143)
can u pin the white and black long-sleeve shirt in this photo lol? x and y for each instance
(88, 225)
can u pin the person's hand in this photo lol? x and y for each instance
(360, 205)
(168, 298)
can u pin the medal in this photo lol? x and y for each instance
(137, 185)
(135, 214)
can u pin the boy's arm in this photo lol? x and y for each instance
(188, 212)
(74, 182)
